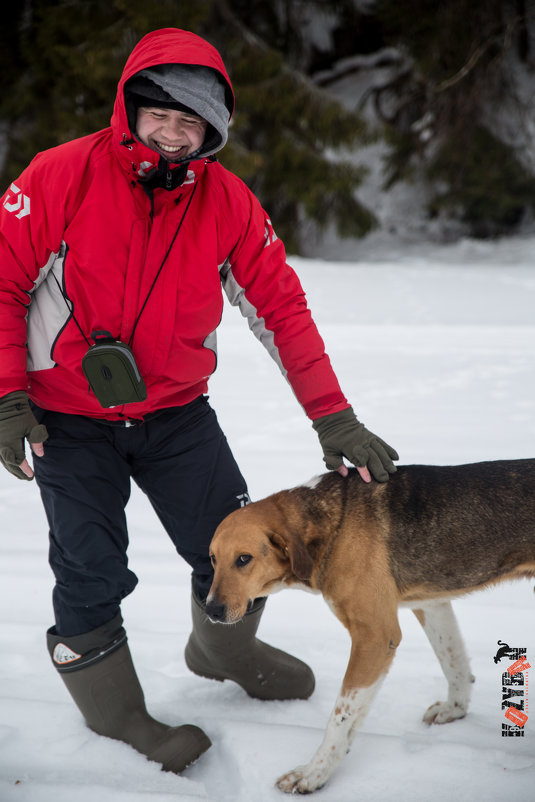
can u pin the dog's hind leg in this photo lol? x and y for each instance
(440, 625)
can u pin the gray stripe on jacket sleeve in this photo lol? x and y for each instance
(48, 312)
(236, 295)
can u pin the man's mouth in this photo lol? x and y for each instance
(171, 149)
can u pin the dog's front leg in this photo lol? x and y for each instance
(346, 718)
(440, 625)
(368, 666)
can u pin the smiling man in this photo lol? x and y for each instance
(171, 133)
(115, 247)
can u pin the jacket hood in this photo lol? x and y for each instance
(159, 67)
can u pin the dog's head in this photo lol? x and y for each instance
(253, 554)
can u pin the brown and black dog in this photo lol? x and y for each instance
(426, 536)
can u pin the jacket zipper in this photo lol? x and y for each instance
(164, 260)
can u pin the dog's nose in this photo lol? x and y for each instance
(215, 611)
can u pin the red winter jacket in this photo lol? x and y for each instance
(80, 247)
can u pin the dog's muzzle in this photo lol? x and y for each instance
(216, 612)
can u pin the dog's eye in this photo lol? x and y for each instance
(243, 559)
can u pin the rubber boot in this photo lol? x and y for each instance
(99, 674)
(232, 651)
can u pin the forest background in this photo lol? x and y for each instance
(435, 97)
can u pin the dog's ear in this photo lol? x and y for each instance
(294, 549)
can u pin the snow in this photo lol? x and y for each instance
(434, 346)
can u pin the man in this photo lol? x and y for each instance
(113, 251)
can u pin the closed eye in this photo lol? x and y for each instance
(243, 560)
(194, 121)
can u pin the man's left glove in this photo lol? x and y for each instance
(342, 435)
(17, 422)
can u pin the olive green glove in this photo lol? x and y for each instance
(17, 422)
(342, 435)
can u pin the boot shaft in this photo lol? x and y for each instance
(75, 652)
(223, 651)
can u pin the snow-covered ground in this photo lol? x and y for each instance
(435, 348)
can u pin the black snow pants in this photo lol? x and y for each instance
(179, 458)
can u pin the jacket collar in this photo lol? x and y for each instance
(141, 163)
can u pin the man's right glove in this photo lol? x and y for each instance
(17, 422)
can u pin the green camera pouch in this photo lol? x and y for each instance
(112, 373)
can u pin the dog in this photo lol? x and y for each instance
(426, 536)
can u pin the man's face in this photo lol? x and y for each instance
(173, 134)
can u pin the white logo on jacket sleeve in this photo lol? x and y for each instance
(270, 236)
(17, 202)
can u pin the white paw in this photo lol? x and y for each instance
(302, 780)
(442, 712)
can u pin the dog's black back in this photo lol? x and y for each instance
(461, 526)
(446, 528)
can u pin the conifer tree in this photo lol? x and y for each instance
(459, 55)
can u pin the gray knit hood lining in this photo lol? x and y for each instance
(197, 87)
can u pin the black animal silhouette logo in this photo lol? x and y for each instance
(504, 651)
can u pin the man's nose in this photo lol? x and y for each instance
(174, 127)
